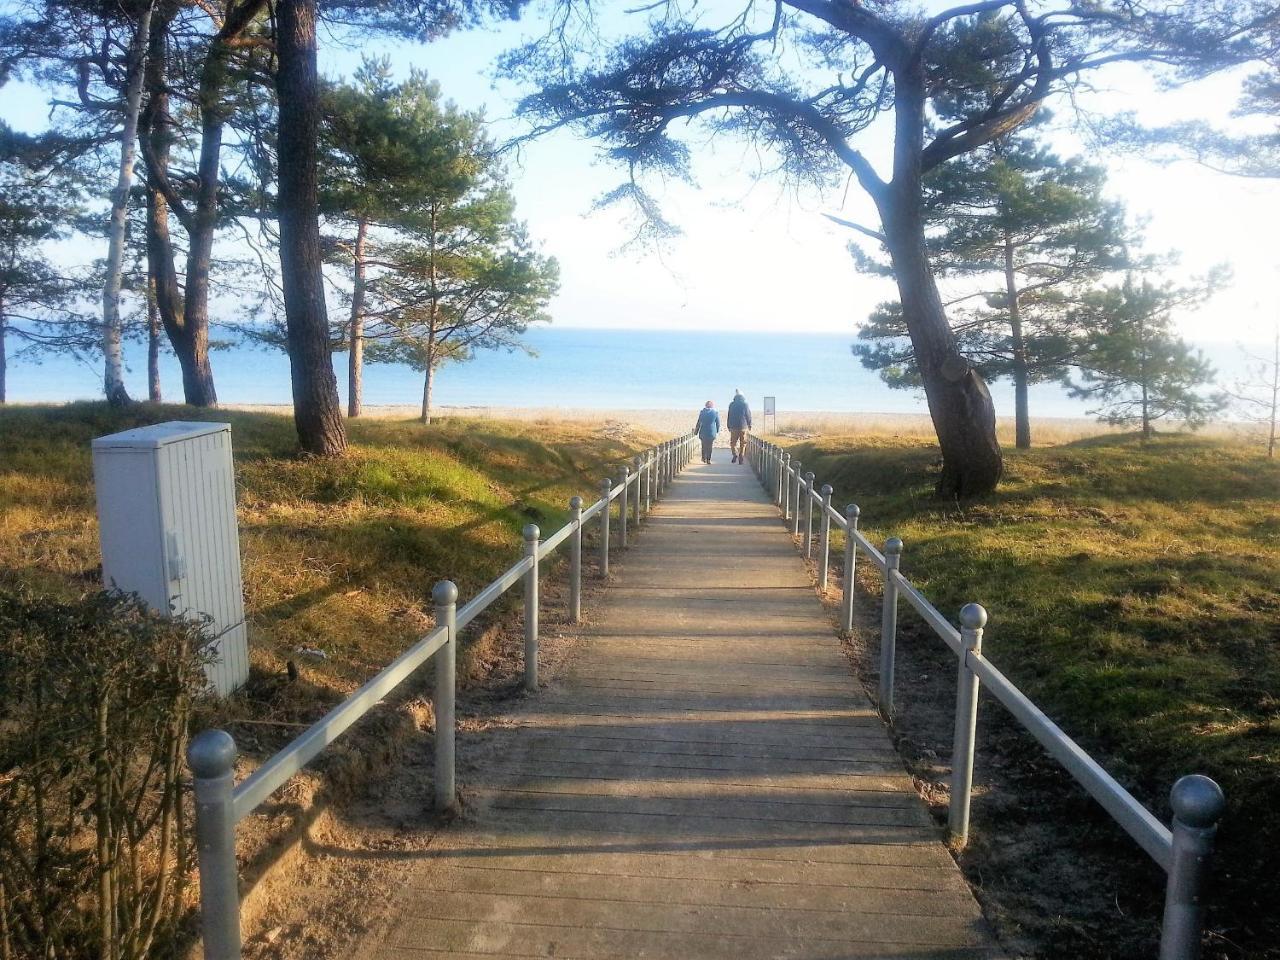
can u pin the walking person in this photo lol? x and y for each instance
(739, 422)
(707, 426)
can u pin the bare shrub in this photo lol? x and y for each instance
(95, 700)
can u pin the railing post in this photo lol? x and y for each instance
(212, 758)
(786, 487)
(624, 480)
(777, 478)
(606, 485)
(808, 515)
(766, 452)
(635, 507)
(531, 538)
(889, 624)
(795, 515)
(824, 546)
(445, 597)
(851, 513)
(575, 561)
(972, 619)
(648, 487)
(1197, 806)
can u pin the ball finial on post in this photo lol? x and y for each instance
(211, 753)
(973, 616)
(444, 593)
(852, 511)
(893, 547)
(1197, 801)
(575, 503)
(531, 532)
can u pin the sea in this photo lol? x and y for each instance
(594, 369)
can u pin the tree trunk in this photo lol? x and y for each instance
(185, 320)
(1143, 368)
(428, 383)
(1021, 407)
(1271, 436)
(153, 344)
(112, 335)
(4, 360)
(355, 359)
(959, 402)
(317, 413)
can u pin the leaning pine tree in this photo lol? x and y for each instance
(1030, 231)
(802, 79)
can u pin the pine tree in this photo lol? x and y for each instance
(386, 147)
(1032, 230)
(1132, 364)
(39, 200)
(462, 274)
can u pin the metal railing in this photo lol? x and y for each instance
(1182, 849)
(221, 804)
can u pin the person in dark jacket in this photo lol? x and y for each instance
(739, 422)
(707, 426)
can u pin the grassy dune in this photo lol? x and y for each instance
(1134, 593)
(338, 556)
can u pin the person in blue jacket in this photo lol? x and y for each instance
(706, 428)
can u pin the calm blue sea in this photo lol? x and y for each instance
(597, 369)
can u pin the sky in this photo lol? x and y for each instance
(755, 256)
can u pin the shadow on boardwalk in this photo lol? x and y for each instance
(705, 781)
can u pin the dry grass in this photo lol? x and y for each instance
(1134, 593)
(338, 556)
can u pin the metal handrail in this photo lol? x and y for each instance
(1137, 821)
(221, 804)
(486, 597)
(931, 614)
(1182, 850)
(273, 774)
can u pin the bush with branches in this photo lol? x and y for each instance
(95, 702)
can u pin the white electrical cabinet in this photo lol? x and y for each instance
(167, 516)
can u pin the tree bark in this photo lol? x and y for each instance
(355, 358)
(428, 384)
(1143, 368)
(959, 402)
(4, 359)
(317, 412)
(153, 344)
(185, 319)
(1271, 436)
(112, 334)
(1021, 405)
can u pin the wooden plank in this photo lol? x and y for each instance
(706, 782)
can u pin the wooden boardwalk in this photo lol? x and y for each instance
(706, 780)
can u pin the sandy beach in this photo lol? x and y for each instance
(794, 425)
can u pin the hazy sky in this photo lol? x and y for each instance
(754, 256)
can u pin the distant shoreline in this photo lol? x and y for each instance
(791, 425)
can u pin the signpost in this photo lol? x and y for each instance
(771, 410)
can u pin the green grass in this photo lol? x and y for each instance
(337, 555)
(1134, 594)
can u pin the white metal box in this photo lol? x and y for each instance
(167, 516)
